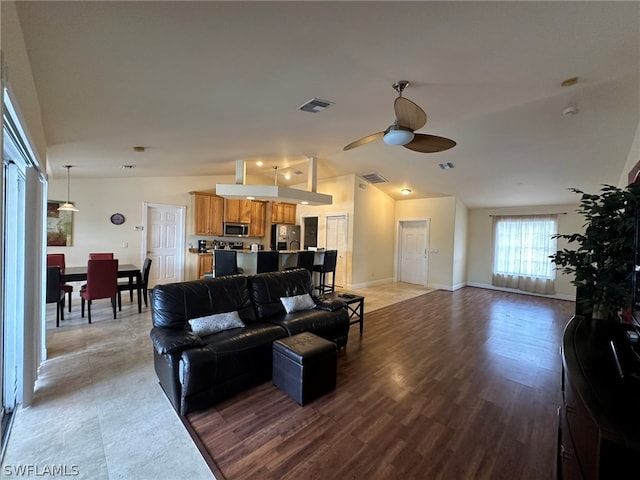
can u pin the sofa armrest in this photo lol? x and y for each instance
(329, 304)
(171, 340)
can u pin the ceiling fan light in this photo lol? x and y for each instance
(397, 136)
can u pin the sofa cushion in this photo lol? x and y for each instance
(266, 289)
(297, 303)
(215, 323)
(173, 304)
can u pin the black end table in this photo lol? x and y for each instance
(355, 306)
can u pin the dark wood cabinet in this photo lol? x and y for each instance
(599, 436)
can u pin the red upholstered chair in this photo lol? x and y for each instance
(57, 260)
(102, 282)
(101, 256)
(54, 293)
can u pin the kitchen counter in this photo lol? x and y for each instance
(248, 260)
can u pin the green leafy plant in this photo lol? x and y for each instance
(603, 259)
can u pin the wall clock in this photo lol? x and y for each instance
(117, 219)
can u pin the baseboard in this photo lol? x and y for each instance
(557, 296)
(448, 288)
(373, 283)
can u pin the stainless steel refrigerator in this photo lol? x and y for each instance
(285, 237)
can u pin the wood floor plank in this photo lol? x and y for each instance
(448, 385)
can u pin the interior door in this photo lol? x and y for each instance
(336, 239)
(165, 242)
(413, 252)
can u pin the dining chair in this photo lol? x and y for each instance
(102, 282)
(57, 260)
(54, 293)
(128, 285)
(268, 261)
(328, 266)
(225, 262)
(101, 256)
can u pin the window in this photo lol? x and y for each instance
(522, 245)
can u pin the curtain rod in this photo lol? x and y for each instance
(529, 214)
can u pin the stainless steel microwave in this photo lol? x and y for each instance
(236, 229)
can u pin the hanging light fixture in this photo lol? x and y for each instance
(68, 207)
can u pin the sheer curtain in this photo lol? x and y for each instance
(522, 245)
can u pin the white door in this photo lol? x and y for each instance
(414, 236)
(165, 242)
(336, 234)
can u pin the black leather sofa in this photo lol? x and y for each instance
(197, 372)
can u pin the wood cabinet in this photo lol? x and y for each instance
(237, 211)
(257, 226)
(207, 213)
(599, 429)
(283, 213)
(205, 264)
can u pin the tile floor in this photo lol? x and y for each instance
(99, 412)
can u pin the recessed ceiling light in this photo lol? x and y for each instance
(287, 176)
(259, 163)
(251, 198)
(304, 203)
(446, 166)
(127, 167)
(405, 191)
(570, 82)
(139, 149)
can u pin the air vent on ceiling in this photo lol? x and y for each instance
(315, 105)
(374, 178)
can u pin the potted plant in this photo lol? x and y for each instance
(603, 261)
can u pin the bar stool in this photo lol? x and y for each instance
(268, 261)
(328, 266)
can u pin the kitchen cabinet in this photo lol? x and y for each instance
(207, 213)
(258, 218)
(237, 211)
(283, 213)
(205, 264)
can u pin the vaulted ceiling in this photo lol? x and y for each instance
(203, 84)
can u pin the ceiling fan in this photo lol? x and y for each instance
(409, 118)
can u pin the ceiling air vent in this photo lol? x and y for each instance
(374, 178)
(315, 105)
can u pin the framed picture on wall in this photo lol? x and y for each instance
(59, 225)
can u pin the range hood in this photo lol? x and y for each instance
(241, 190)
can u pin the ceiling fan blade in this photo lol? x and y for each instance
(364, 140)
(429, 143)
(408, 114)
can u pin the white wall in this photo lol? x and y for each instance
(373, 228)
(460, 246)
(479, 265)
(632, 159)
(442, 212)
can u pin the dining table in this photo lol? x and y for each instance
(125, 270)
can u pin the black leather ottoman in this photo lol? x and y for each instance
(304, 366)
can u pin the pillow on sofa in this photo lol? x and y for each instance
(215, 323)
(297, 303)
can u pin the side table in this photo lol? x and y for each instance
(355, 306)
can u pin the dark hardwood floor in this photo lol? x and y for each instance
(448, 385)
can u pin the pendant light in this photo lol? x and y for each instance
(67, 207)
